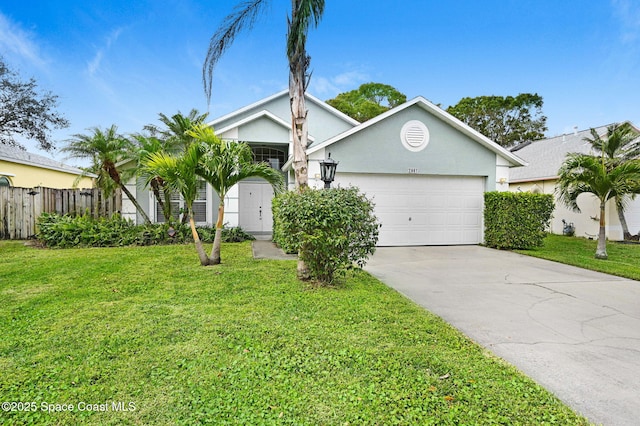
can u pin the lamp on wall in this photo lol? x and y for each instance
(328, 171)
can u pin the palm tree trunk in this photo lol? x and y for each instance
(135, 203)
(300, 135)
(626, 235)
(166, 210)
(204, 260)
(297, 83)
(601, 250)
(217, 240)
(155, 186)
(111, 169)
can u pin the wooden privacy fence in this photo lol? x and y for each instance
(21, 207)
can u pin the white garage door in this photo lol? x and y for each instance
(632, 214)
(423, 210)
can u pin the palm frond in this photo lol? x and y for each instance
(244, 15)
(304, 13)
(603, 177)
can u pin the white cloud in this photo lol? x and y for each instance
(350, 78)
(331, 86)
(628, 13)
(93, 66)
(322, 86)
(18, 42)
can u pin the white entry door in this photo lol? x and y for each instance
(255, 207)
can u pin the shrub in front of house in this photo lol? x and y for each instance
(332, 230)
(516, 220)
(65, 231)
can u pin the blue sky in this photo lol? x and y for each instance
(124, 61)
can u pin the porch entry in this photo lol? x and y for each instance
(255, 207)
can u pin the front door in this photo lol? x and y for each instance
(255, 207)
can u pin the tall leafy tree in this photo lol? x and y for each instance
(368, 101)
(304, 13)
(106, 149)
(601, 176)
(223, 164)
(506, 120)
(178, 172)
(25, 111)
(620, 144)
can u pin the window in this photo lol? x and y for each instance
(275, 157)
(177, 204)
(4, 181)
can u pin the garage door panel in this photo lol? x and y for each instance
(455, 218)
(472, 220)
(443, 209)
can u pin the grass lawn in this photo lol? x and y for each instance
(149, 331)
(624, 259)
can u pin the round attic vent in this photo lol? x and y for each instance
(414, 135)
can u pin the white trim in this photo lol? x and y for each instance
(261, 114)
(246, 108)
(332, 110)
(537, 179)
(62, 168)
(311, 98)
(7, 174)
(439, 113)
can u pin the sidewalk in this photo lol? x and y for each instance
(263, 249)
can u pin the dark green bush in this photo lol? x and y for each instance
(331, 229)
(235, 235)
(516, 220)
(67, 231)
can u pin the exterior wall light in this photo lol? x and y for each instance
(328, 171)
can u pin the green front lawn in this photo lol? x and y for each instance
(149, 331)
(624, 259)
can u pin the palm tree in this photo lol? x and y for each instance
(601, 176)
(174, 134)
(178, 173)
(171, 139)
(223, 164)
(106, 149)
(145, 147)
(303, 14)
(622, 143)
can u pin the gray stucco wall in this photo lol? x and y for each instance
(322, 123)
(263, 130)
(378, 149)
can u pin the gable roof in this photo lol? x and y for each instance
(261, 114)
(266, 100)
(437, 112)
(545, 156)
(16, 155)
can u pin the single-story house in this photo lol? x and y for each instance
(24, 169)
(545, 157)
(425, 170)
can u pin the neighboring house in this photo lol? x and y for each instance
(425, 170)
(545, 157)
(24, 169)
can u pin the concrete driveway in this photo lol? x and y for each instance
(575, 332)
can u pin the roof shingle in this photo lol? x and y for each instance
(16, 155)
(545, 156)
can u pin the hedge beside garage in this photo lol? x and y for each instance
(516, 220)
